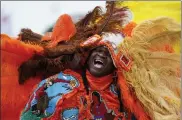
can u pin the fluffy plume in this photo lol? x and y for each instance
(94, 22)
(39, 65)
(114, 17)
(97, 21)
(91, 17)
(28, 36)
(154, 74)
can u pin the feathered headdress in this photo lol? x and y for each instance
(147, 66)
(67, 44)
(154, 75)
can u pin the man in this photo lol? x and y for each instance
(136, 83)
(97, 77)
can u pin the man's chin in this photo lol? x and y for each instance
(96, 72)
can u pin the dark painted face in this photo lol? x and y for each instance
(100, 62)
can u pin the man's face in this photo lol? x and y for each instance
(100, 62)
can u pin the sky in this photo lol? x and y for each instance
(40, 15)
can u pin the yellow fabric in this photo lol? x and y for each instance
(145, 10)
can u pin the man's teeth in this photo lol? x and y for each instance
(98, 65)
(98, 61)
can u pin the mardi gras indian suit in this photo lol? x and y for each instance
(148, 71)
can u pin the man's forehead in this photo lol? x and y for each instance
(101, 47)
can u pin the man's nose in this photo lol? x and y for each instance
(102, 54)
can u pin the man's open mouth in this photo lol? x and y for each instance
(98, 63)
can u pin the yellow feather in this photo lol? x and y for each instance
(158, 32)
(154, 73)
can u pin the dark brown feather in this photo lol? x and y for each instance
(86, 27)
(28, 36)
(56, 59)
(90, 17)
(59, 50)
(113, 17)
(110, 7)
(40, 65)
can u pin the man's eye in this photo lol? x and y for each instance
(99, 51)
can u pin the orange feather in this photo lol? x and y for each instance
(63, 30)
(13, 95)
(130, 101)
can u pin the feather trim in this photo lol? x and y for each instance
(90, 18)
(113, 19)
(129, 100)
(17, 47)
(29, 35)
(13, 53)
(154, 74)
(63, 30)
